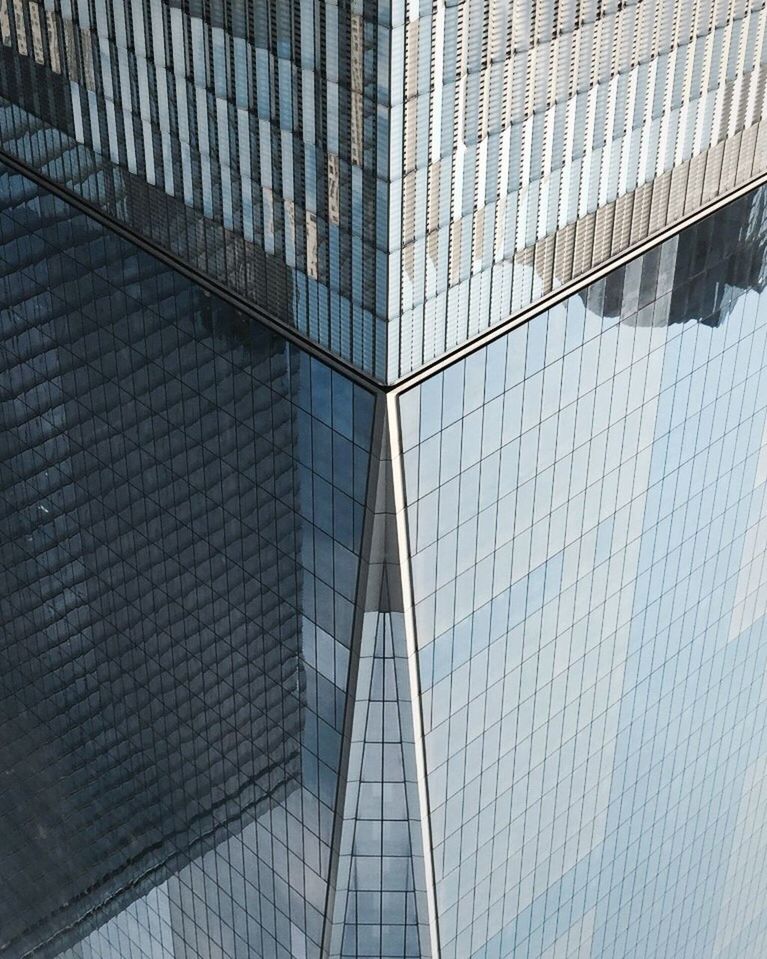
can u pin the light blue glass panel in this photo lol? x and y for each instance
(590, 614)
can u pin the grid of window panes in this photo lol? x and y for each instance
(248, 138)
(182, 502)
(587, 521)
(521, 119)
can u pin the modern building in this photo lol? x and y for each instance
(383, 479)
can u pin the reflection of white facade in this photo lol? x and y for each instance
(265, 119)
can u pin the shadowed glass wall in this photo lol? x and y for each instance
(182, 495)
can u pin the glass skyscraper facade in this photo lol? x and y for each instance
(383, 479)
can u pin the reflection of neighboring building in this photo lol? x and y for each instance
(151, 684)
(719, 259)
(698, 274)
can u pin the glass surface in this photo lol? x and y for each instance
(182, 498)
(587, 511)
(380, 908)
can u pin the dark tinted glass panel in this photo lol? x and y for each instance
(182, 495)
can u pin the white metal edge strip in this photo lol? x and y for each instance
(392, 417)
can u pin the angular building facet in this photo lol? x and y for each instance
(383, 479)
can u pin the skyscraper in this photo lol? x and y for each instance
(384, 479)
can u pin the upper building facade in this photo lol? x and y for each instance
(389, 178)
